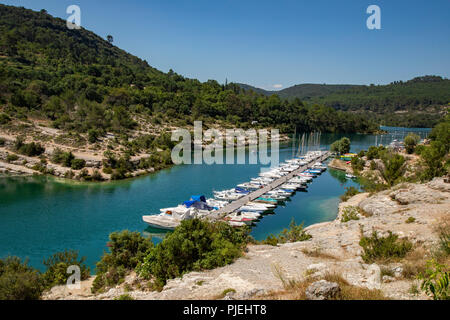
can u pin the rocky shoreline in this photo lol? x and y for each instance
(334, 247)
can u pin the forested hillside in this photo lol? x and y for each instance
(419, 102)
(80, 82)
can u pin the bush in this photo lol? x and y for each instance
(349, 213)
(410, 220)
(57, 265)
(411, 142)
(4, 118)
(31, 149)
(394, 167)
(2, 142)
(383, 248)
(11, 157)
(358, 164)
(194, 245)
(435, 281)
(78, 164)
(349, 192)
(295, 233)
(124, 297)
(18, 281)
(127, 250)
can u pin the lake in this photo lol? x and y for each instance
(41, 215)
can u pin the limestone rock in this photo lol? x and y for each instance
(374, 277)
(322, 290)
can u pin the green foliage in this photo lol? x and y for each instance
(67, 159)
(433, 156)
(435, 281)
(18, 281)
(11, 157)
(341, 146)
(410, 220)
(378, 248)
(58, 264)
(4, 118)
(394, 167)
(295, 233)
(349, 192)
(357, 164)
(127, 250)
(31, 149)
(411, 142)
(349, 213)
(373, 153)
(194, 245)
(78, 164)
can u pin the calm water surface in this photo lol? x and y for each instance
(41, 215)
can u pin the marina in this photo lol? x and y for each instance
(248, 201)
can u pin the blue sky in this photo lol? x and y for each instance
(274, 43)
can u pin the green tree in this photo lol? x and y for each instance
(411, 142)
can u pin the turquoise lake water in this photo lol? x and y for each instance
(40, 216)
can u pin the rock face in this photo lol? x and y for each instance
(322, 290)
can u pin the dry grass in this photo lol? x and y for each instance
(318, 253)
(296, 289)
(414, 263)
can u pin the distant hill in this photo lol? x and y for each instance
(420, 102)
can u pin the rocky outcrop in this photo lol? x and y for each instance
(322, 290)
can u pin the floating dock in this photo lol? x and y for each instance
(235, 205)
(170, 223)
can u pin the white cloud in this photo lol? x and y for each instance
(277, 86)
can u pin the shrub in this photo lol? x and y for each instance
(373, 165)
(349, 192)
(18, 281)
(78, 164)
(394, 167)
(31, 149)
(4, 118)
(349, 213)
(419, 149)
(358, 164)
(57, 265)
(2, 142)
(435, 281)
(410, 220)
(294, 233)
(127, 250)
(194, 245)
(11, 157)
(383, 248)
(411, 142)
